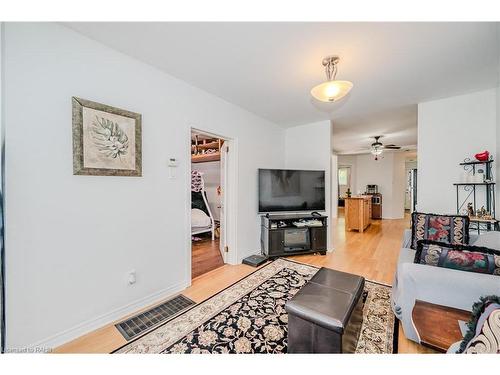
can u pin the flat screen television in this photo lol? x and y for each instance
(285, 190)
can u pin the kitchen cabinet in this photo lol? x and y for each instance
(358, 212)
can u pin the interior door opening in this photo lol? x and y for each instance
(209, 170)
(344, 188)
(412, 189)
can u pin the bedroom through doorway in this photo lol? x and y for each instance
(208, 200)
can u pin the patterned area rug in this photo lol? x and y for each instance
(249, 317)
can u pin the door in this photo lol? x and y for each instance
(318, 239)
(223, 201)
(276, 245)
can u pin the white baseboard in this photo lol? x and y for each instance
(102, 320)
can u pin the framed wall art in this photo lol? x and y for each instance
(107, 141)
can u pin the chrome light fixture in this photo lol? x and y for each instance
(376, 148)
(331, 90)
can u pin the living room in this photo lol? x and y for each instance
(97, 248)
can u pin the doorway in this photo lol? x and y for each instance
(411, 190)
(411, 169)
(344, 187)
(209, 200)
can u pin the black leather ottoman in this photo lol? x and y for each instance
(325, 316)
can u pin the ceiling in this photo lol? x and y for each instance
(354, 134)
(269, 68)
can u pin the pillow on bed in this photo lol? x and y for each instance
(199, 219)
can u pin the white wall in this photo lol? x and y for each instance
(398, 186)
(211, 177)
(334, 186)
(1, 173)
(69, 275)
(388, 173)
(309, 147)
(348, 161)
(450, 130)
(496, 170)
(497, 108)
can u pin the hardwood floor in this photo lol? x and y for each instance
(205, 256)
(373, 254)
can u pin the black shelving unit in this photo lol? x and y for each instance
(473, 189)
(279, 235)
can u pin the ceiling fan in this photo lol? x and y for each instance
(377, 147)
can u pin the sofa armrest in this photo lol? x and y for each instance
(406, 239)
(437, 285)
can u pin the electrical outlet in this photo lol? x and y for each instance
(132, 277)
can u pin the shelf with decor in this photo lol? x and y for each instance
(205, 150)
(206, 146)
(203, 158)
(476, 162)
(480, 184)
(482, 220)
(473, 183)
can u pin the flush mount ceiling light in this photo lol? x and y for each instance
(331, 90)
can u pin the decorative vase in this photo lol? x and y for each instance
(482, 156)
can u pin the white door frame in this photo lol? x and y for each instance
(231, 191)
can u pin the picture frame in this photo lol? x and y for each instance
(107, 141)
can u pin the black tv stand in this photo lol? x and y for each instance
(281, 237)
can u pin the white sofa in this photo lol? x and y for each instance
(438, 285)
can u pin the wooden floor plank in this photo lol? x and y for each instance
(205, 256)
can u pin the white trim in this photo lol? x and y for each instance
(2, 187)
(107, 318)
(188, 246)
(232, 202)
(232, 193)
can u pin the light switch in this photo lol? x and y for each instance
(172, 166)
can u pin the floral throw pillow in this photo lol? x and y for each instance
(452, 229)
(458, 257)
(483, 335)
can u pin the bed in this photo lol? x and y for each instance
(202, 220)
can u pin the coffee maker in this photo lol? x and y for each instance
(371, 189)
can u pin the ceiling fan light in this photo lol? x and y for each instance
(331, 91)
(376, 151)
